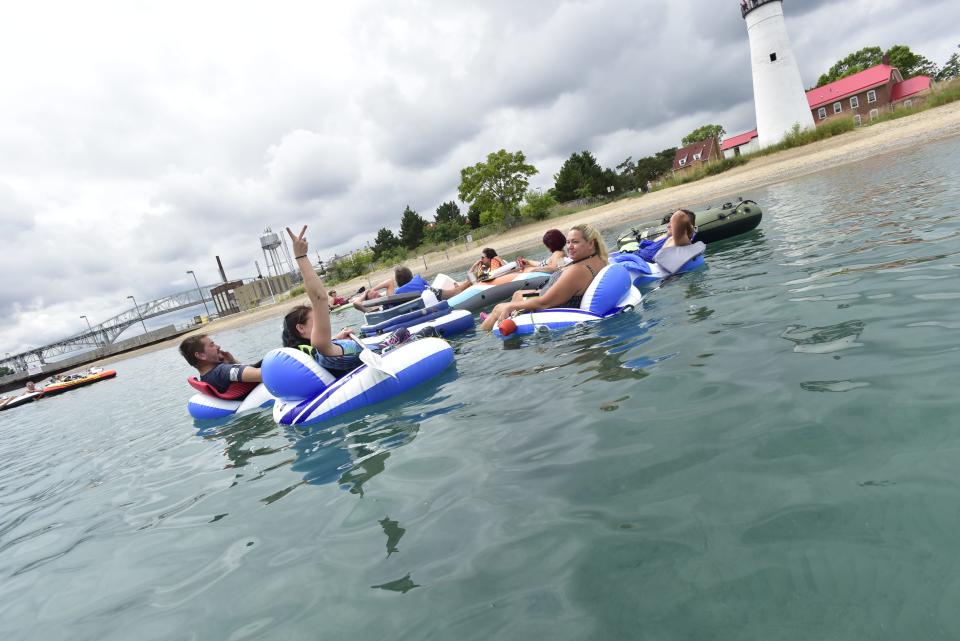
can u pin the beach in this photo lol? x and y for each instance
(862, 143)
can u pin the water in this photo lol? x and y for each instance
(767, 451)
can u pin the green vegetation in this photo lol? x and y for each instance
(710, 169)
(950, 69)
(498, 185)
(909, 63)
(798, 137)
(702, 133)
(5, 371)
(943, 94)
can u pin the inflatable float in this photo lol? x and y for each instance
(610, 293)
(208, 403)
(22, 399)
(307, 393)
(713, 224)
(504, 283)
(445, 321)
(73, 381)
(667, 262)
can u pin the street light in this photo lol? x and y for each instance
(138, 313)
(90, 327)
(200, 291)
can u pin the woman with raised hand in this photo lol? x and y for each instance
(308, 328)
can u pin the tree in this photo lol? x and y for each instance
(579, 177)
(448, 212)
(384, 242)
(473, 214)
(5, 371)
(951, 68)
(651, 168)
(853, 63)
(411, 228)
(538, 205)
(702, 133)
(909, 63)
(500, 182)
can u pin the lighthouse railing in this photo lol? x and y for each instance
(746, 6)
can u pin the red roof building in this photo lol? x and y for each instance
(696, 154)
(740, 144)
(866, 93)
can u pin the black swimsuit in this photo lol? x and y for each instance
(575, 300)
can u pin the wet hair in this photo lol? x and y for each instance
(554, 240)
(402, 275)
(189, 348)
(591, 235)
(296, 316)
(489, 252)
(692, 216)
(691, 221)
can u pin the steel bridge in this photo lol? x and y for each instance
(106, 333)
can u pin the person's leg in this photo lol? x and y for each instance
(496, 314)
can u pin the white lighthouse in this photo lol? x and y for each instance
(778, 94)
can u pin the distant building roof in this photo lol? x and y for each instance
(703, 148)
(739, 139)
(840, 89)
(909, 87)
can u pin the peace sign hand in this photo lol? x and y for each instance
(299, 242)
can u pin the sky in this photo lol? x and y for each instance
(140, 140)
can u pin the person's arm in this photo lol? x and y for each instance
(320, 332)
(251, 375)
(559, 293)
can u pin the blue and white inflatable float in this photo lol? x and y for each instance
(667, 262)
(307, 393)
(610, 293)
(446, 321)
(209, 404)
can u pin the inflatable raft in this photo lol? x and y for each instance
(667, 262)
(500, 288)
(610, 293)
(713, 223)
(78, 380)
(307, 393)
(415, 314)
(207, 403)
(22, 399)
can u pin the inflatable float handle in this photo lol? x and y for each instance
(372, 360)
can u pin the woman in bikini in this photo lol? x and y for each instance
(588, 253)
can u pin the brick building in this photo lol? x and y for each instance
(696, 155)
(866, 94)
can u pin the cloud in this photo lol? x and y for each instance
(130, 156)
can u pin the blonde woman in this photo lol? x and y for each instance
(588, 253)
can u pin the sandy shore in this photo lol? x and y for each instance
(895, 135)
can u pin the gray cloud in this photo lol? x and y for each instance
(120, 172)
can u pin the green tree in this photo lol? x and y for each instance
(384, 242)
(702, 133)
(411, 228)
(537, 206)
(853, 63)
(651, 168)
(448, 212)
(909, 63)
(951, 68)
(579, 177)
(473, 215)
(5, 371)
(500, 183)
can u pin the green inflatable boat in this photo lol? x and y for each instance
(713, 223)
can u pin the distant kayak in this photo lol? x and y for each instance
(713, 224)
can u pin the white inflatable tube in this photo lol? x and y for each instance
(204, 406)
(288, 371)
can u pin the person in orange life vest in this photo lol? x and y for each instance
(217, 368)
(488, 261)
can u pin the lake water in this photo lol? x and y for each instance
(767, 450)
